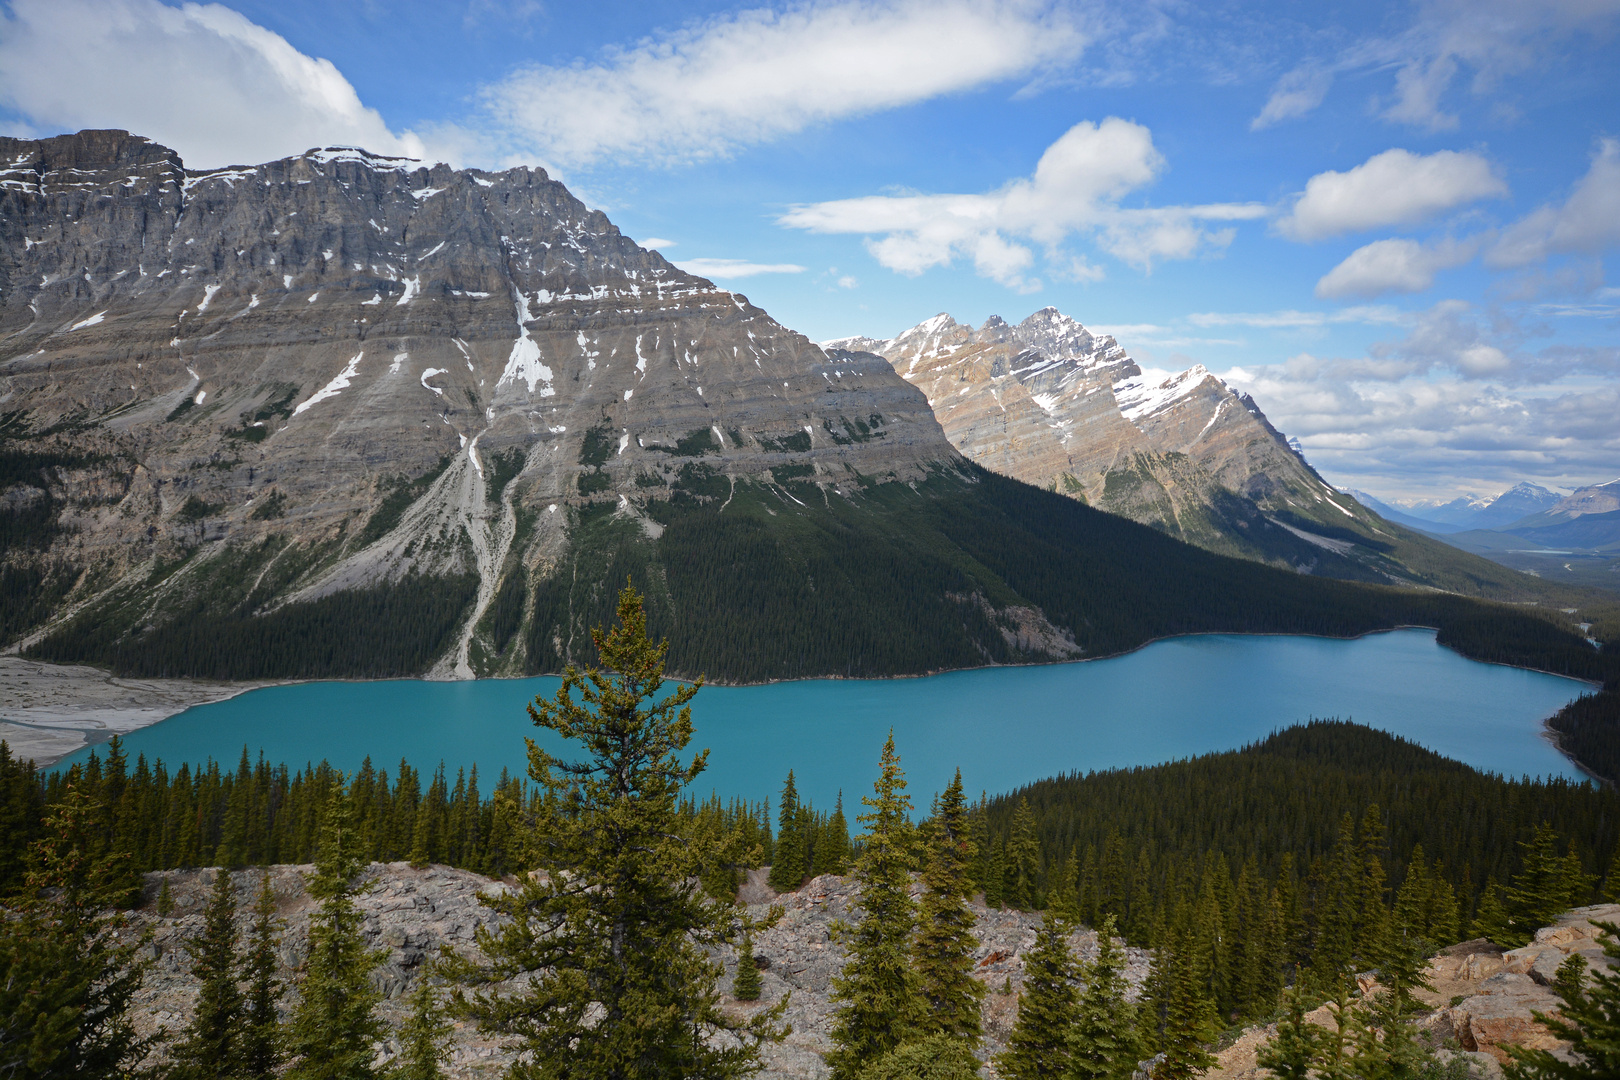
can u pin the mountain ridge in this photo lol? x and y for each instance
(342, 415)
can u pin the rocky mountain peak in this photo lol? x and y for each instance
(277, 352)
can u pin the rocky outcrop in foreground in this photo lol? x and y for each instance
(412, 912)
(1482, 1001)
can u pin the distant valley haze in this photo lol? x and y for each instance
(1394, 225)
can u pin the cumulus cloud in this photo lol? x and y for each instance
(1386, 266)
(200, 78)
(1076, 188)
(1458, 398)
(1588, 222)
(1396, 187)
(751, 76)
(735, 268)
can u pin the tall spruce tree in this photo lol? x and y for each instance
(832, 846)
(334, 1028)
(261, 1031)
(610, 934)
(1041, 1042)
(951, 997)
(1103, 1044)
(788, 862)
(1547, 885)
(876, 997)
(1189, 1020)
(1023, 863)
(211, 1048)
(68, 972)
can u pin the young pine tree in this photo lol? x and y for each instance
(1292, 1052)
(211, 1048)
(333, 1029)
(261, 1032)
(876, 996)
(746, 986)
(788, 862)
(424, 1038)
(68, 973)
(609, 936)
(1103, 1044)
(951, 996)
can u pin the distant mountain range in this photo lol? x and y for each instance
(1572, 538)
(346, 415)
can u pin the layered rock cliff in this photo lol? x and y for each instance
(367, 371)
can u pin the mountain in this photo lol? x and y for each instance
(346, 415)
(1052, 404)
(1485, 512)
(1593, 499)
(1401, 517)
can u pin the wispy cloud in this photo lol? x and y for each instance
(1076, 189)
(735, 268)
(752, 76)
(200, 78)
(1491, 40)
(1286, 320)
(1588, 222)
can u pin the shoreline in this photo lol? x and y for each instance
(48, 711)
(67, 707)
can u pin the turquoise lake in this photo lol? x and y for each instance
(1004, 727)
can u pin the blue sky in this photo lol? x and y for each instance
(1396, 224)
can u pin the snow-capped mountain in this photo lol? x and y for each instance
(1053, 404)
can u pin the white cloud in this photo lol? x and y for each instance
(1491, 39)
(199, 78)
(1456, 397)
(1396, 187)
(1386, 266)
(735, 268)
(1292, 320)
(751, 76)
(1587, 223)
(657, 243)
(1076, 188)
(1296, 94)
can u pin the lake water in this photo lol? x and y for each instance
(1003, 726)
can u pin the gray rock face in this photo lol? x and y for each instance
(412, 912)
(268, 352)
